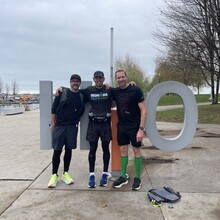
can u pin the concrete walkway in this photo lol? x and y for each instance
(25, 172)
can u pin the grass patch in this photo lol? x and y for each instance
(207, 114)
(202, 98)
(169, 99)
(173, 99)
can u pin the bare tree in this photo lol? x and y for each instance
(193, 30)
(1, 86)
(14, 87)
(7, 90)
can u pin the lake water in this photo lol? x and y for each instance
(10, 106)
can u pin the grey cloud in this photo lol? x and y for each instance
(51, 39)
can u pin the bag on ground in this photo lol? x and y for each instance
(160, 195)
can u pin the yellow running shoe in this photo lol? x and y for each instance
(53, 181)
(66, 178)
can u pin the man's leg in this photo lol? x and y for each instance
(123, 141)
(138, 163)
(55, 166)
(67, 159)
(92, 156)
(56, 161)
(106, 158)
(106, 155)
(66, 178)
(123, 179)
(92, 159)
(124, 159)
(70, 143)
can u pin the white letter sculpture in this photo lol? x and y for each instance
(190, 116)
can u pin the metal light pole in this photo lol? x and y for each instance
(111, 56)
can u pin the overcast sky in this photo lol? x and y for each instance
(51, 39)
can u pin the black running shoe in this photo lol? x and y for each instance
(136, 184)
(120, 182)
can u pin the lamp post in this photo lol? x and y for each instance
(111, 56)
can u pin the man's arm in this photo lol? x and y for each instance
(143, 110)
(55, 105)
(59, 90)
(113, 104)
(53, 121)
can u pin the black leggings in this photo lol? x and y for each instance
(92, 155)
(56, 160)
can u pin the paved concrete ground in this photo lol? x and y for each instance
(25, 171)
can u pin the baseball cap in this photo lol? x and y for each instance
(98, 73)
(75, 76)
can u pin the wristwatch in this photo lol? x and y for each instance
(142, 128)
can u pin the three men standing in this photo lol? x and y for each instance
(131, 112)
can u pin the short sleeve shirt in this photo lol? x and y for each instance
(71, 112)
(100, 99)
(127, 105)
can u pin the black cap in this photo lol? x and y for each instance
(75, 76)
(98, 73)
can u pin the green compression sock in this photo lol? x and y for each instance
(138, 164)
(124, 163)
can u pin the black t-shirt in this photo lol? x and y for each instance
(127, 105)
(71, 110)
(100, 100)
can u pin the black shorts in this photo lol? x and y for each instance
(98, 130)
(64, 135)
(126, 135)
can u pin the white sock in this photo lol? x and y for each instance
(92, 173)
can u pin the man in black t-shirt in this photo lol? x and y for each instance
(99, 126)
(67, 109)
(132, 113)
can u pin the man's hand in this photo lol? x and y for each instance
(140, 135)
(58, 90)
(132, 83)
(52, 126)
(107, 86)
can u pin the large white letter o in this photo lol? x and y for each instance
(190, 116)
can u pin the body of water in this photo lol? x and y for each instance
(11, 106)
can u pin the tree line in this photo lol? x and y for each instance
(136, 73)
(7, 88)
(189, 39)
(191, 36)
